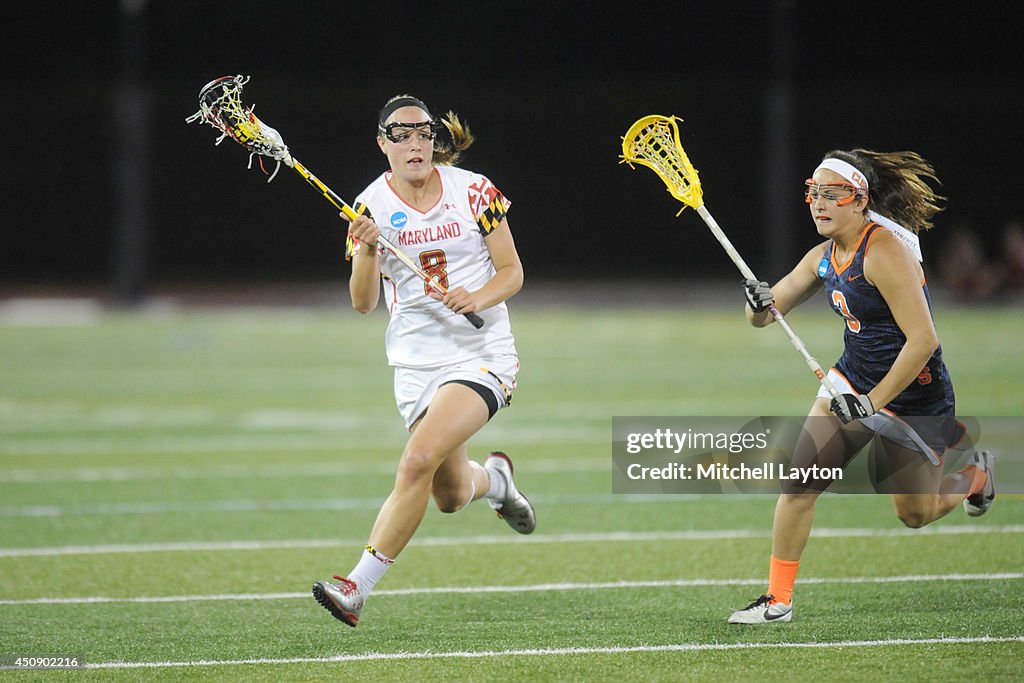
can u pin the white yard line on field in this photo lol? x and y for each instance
(263, 440)
(329, 468)
(594, 537)
(436, 590)
(540, 652)
(304, 504)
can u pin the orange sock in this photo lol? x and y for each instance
(977, 477)
(781, 577)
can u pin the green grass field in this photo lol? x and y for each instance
(172, 484)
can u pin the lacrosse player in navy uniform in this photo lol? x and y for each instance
(869, 206)
(450, 378)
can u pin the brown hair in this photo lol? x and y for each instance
(448, 149)
(898, 185)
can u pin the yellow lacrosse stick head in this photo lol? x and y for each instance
(653, 141)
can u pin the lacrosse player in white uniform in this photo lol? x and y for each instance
(450, 378)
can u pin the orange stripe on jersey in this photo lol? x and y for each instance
(832, 257)
(870, 237)
(923, 279)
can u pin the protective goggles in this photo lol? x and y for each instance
(840, 193)
(401, 133)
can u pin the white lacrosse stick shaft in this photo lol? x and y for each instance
(749, 274)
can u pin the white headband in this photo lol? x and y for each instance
(850, 173)
(847, 171)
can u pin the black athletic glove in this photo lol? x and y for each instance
(759, 296)
(850, 407)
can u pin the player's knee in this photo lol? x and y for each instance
(448, 502)
(453, 494)
(803, 502)
(417, 464)
(913, 519)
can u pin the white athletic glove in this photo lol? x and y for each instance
(759, 295)
(850, 407)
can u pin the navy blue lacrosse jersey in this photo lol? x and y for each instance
(873, 339)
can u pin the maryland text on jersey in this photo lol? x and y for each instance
(432, 234)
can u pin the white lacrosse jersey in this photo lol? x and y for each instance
(448, 242)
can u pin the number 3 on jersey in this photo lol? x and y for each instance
(434, 264)
(839, 301)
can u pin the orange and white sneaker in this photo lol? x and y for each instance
(765, 610)
(978, 504)
(514, 508)
(343, 600)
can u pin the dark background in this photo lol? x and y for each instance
(106, 186)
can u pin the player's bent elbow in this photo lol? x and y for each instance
(927, 345)
(517, 282)
(758, 319)
(364, 299)
(364, 305)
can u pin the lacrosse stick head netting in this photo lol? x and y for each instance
(653, 141)
(220, 105)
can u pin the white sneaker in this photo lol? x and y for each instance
(764, 610)
(978, 504)
(514, 508)
(344, 600)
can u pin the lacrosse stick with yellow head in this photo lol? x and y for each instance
(220, 105)
(653, 141)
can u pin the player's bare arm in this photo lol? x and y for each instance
(893, 270)
(793, 289)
